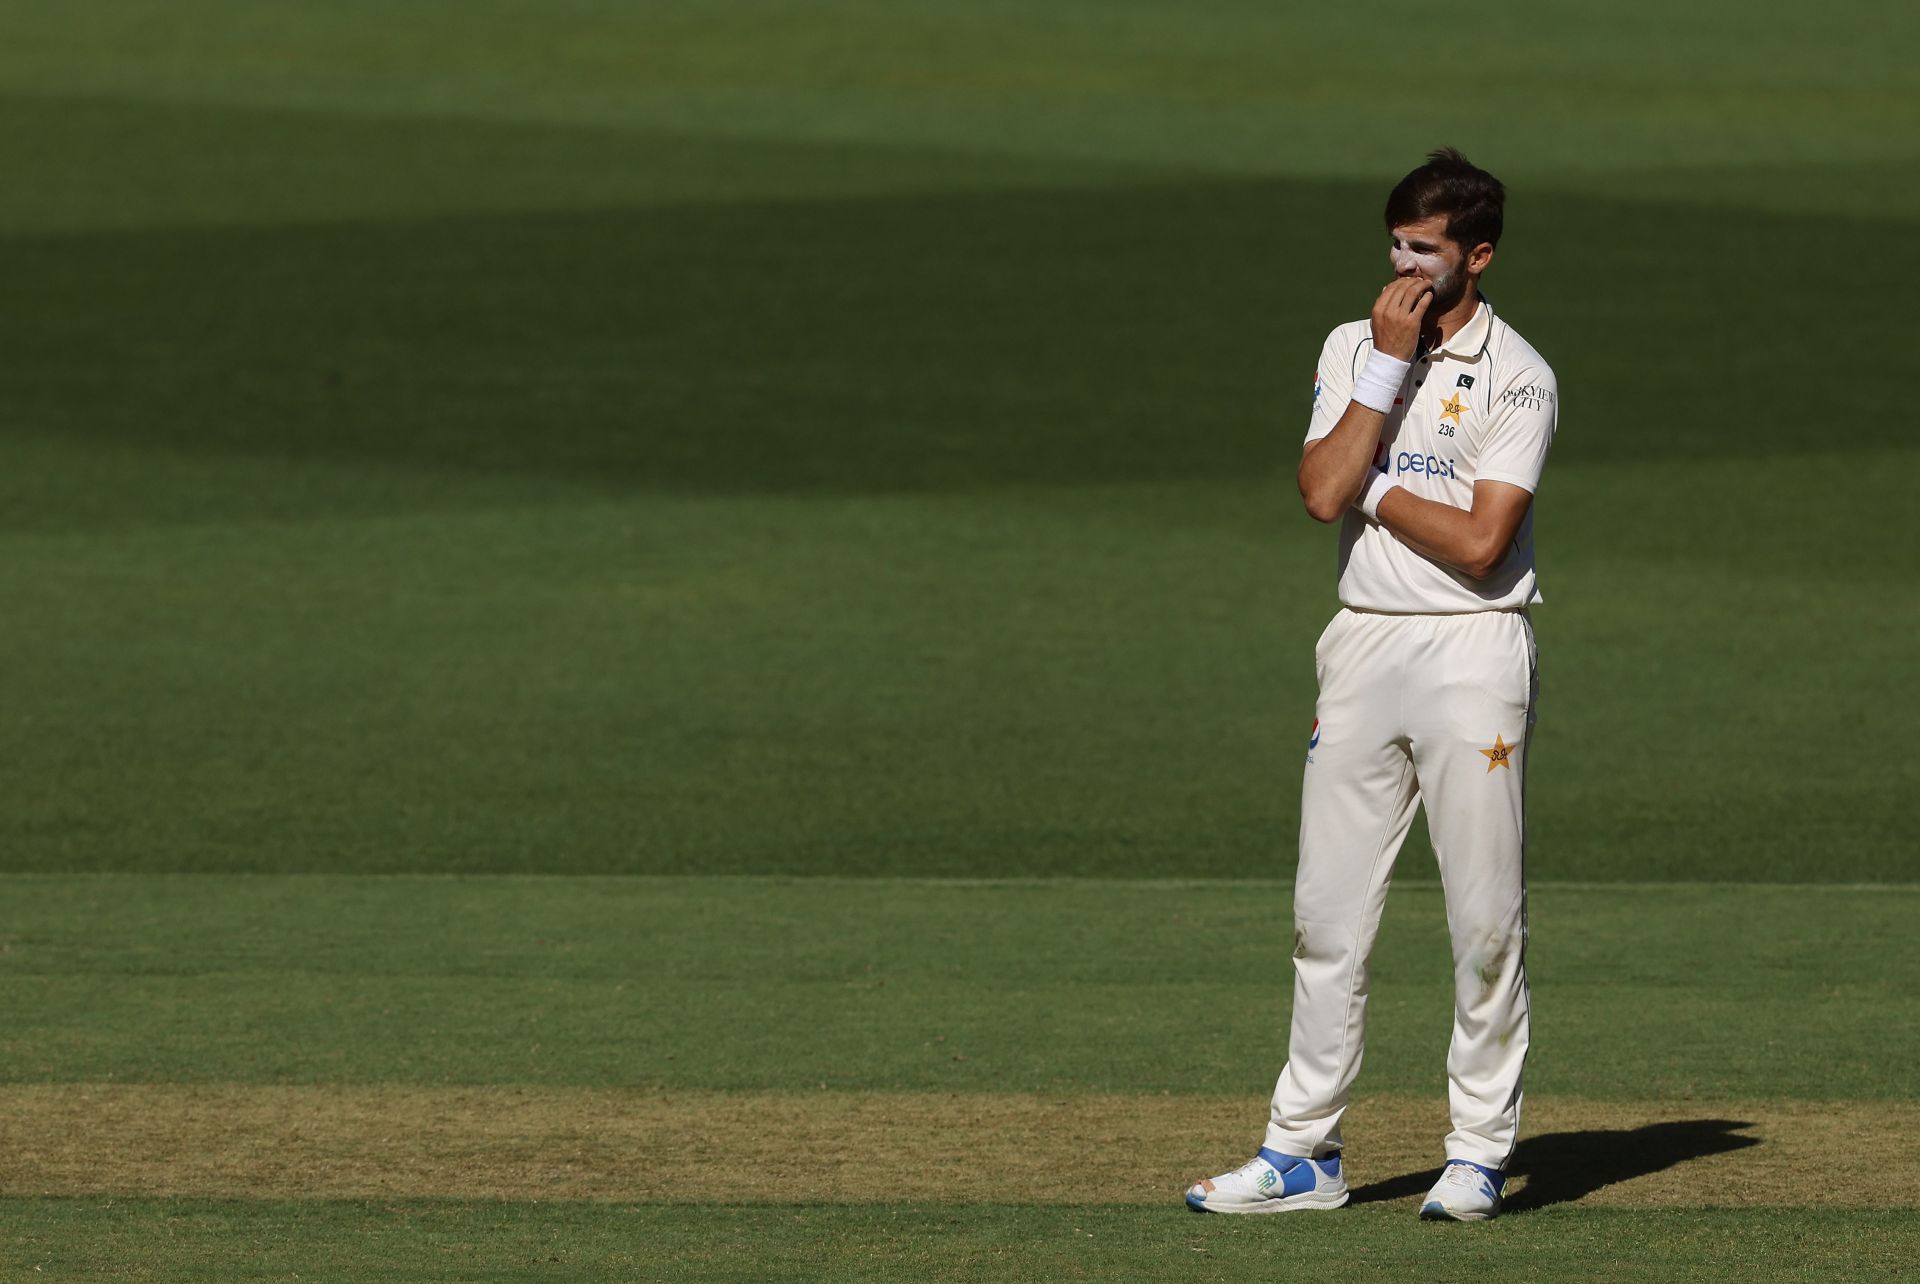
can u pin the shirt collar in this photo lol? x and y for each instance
(1470, 339)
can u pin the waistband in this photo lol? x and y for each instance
(1520, 611)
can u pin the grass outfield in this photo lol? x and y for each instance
(671, 641)
(486, 470)
(1076, 986)
(403, 1240)
(649, 1060)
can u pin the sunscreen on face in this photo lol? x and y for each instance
(1406, 259)
(1430, 267)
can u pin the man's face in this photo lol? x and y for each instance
(1423, 249)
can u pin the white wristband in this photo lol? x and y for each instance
(1377, 488)
(1379, 381)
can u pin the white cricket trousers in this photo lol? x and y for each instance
(1413, 707)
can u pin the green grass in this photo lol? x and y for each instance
(161, 1240)
(497, 470)
(694, 540)
(1233, 84)
(779, 985)
(853, 438)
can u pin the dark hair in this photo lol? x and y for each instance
(1450, 184)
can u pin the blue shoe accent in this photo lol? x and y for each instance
(1195, 1204)
(1298, 1175)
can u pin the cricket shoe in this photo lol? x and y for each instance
(1271, 1182)
(1466, 1192)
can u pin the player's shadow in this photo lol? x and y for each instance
(1561, 1167)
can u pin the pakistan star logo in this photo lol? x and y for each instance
(1499, 754)
(1452, 408)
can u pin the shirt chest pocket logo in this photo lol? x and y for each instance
(1454, 407)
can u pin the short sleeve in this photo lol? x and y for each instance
(1332, 387)
(1526, 410)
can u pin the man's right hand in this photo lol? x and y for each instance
(1397, 315)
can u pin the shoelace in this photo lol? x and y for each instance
(1471, 1179)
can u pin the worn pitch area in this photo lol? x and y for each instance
(505, 1143)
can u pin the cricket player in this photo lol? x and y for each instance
(1430, 427)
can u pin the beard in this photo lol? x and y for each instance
(1448, 290)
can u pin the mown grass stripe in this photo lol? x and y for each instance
(225, 1141)
(185, 1241)
(914, 880)
(718, 985)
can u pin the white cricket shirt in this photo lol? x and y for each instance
(1481, 408)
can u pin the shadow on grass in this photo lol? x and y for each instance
(857, 340)
(1563, 1167)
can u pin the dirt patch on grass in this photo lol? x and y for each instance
(312, 1142)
